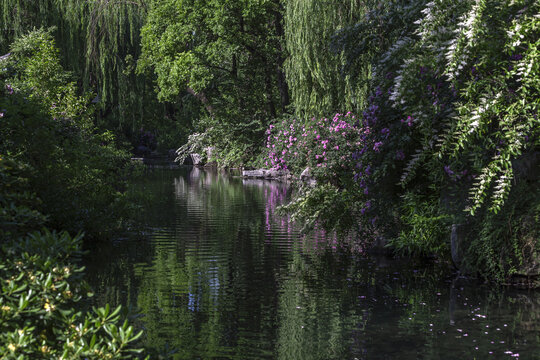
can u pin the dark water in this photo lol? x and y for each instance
(221, 276)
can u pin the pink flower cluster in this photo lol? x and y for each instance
(324, 144)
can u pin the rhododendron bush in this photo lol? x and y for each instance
(446, 133)
(322, 145)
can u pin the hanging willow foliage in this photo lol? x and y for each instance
(99, 40)
(313, 71)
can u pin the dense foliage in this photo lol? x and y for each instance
(41, 288)
(227, 54)
(453, 109)
(99, 42)
(55, 171)
(45, 124)
(313, 71)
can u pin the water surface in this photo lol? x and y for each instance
(220, 275)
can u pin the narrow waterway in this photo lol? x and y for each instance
(220, 275)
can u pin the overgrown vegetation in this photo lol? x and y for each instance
(42, 289)
(228, 55)
(78, 171)
(412, 116)
(451, 130)
(56, 172)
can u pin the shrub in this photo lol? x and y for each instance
(42, 292)
(79, 175)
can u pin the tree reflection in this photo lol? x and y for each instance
(222, 275)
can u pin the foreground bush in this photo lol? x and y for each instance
(55, 172)
(41, 289)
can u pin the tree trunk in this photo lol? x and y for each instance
(282, 83)
(202, 98)
(268, 91)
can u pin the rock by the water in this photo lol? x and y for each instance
(196, 159)
(254, 173)
(271, 174)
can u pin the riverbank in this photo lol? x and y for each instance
(454, 236)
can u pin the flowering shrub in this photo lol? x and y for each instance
(448, 133)
(325, 145)
(340, 153)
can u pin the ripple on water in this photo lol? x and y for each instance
(221, 275)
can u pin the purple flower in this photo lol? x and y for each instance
(368, 170)
(448, 170)
(385, 131)
(9, 89)
(400, 155)
(377, 145)
(516, 57)
(373, 108)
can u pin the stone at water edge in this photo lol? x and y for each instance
(272, 174)
(196, 159)
(306, 174)
(254, 173)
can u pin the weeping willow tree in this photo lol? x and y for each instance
(314, 72)
(100, 42)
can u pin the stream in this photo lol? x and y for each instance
(219, 274)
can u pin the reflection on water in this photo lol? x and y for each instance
(221, 275)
